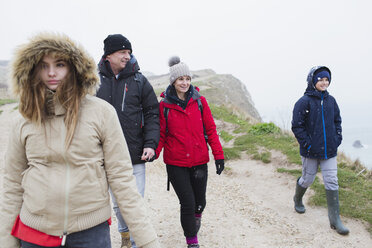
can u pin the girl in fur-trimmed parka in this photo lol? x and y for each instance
(186, 125)
(66, 149)
(316, 124)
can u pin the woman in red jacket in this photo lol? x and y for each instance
(186, 126)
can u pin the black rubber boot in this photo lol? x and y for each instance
(334, 212)
(298, 205)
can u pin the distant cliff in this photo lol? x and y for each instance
(219, 89)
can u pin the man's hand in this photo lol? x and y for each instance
(148, 154)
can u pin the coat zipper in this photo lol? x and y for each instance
(324, 130)
(125, 91)
(67, 188)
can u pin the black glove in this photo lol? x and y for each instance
(220, 165)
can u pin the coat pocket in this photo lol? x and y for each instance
(101, 175)
(35, 187)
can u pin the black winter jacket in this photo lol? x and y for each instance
(136, 105)
(316, 122)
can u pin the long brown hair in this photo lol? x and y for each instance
(33, 103)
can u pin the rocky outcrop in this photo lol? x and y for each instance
(219, 89)
(357, 144)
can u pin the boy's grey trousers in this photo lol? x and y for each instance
(328, 168)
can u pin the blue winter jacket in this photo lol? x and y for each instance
(316, 122)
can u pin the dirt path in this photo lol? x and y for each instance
(248, 206)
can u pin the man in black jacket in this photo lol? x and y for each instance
(131, 94)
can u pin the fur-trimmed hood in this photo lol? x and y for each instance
(27, 56)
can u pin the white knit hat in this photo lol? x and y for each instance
(177, 69)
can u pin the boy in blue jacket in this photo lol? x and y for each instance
(316, 124)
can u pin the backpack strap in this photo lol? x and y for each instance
(166, 113)
(200, 106)
(138, 77)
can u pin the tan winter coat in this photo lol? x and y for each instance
(58, 191)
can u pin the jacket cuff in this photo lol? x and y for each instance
(218, 157)
(149, 145)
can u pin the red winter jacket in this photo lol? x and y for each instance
(184, 143)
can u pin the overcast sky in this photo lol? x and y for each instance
(270, 45)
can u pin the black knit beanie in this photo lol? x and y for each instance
(115, 42)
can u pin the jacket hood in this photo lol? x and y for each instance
(130, 68)
(27, 56)
(311, 90)
(170, 96)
